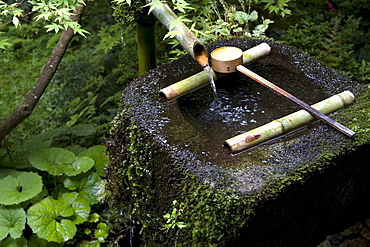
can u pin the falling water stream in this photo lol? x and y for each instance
(207, 69)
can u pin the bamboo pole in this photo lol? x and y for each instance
(294, 99)
(183, 35)
(201, 79)
(288, 123)
(147, 58)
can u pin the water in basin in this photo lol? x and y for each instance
(245, 104)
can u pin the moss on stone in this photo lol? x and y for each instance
(358, 117)
(124, 12)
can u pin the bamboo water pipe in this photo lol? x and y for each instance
(222, 63)
(184, 36)
(285, 124)
(201, 79)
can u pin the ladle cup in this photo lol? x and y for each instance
(229, 59)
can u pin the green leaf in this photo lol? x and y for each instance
(53, 160)
(76, 149)
(253, 16)
(6, 172)
(19, 188)
(172, 34)
(49, 218)
(11, 242)
(82, 210)
(4, 43)
(154, 4)
(83, 130)
(87, 185)
(15, 21)
(54, 27)
(94, 217)
(34, 144)
(241, 17)
(102, 232)
(35, 241)
(99, 155)
(79, 165)
(2, 152)
(12, 222)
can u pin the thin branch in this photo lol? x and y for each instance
(22, 17)
(25, 109)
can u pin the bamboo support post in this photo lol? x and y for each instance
(288, 123)
(146, 51)
(294, 99)
(201, 79)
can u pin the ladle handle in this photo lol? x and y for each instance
(299, 102)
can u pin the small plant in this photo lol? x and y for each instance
(52, 191)
(172, 219)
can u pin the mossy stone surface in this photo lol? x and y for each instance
(291, 192)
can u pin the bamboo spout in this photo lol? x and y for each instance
(201, 79)
(184, 36)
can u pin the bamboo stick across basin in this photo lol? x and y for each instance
(288, 123)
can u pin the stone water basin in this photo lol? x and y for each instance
(298, 185)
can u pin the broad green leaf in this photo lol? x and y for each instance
(79, 165)
(102, 232)
(87, 185)
(99, 155)
(34, 144)
(83, 130)
(48, 135)
(53, 160)
(93, 217)
(12, 222)
(2, 152)
(82, 210)
(49, 218)
(11, 242)
(6, 172)
(241, 17)
(35, 241)
(19, 188)
(76, 149)
(253, 16)
(44, 193)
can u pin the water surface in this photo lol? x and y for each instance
(244, 104)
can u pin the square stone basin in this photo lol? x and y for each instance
(291, 191)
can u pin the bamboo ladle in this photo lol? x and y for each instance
(229, 59)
